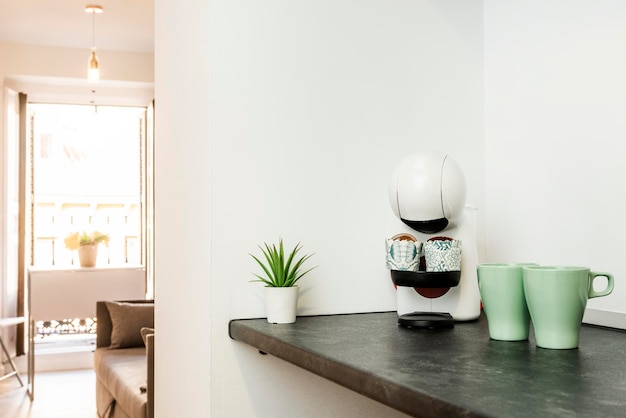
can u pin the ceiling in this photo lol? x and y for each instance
(125, 25)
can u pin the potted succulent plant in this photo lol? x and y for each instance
(87, 246)
(282, 272)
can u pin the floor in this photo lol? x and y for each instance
(66, 394)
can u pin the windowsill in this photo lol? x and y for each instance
(86, 269)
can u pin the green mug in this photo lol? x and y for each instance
(504, 303)
(556, 298)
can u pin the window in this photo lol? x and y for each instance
(86, 173)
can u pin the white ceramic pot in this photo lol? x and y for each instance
(88, 254)
(281, 304)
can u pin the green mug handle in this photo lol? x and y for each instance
(606, 291)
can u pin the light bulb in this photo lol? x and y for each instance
(93, 68)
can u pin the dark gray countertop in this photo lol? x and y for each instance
(455, 372)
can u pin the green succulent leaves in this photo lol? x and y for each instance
(281, 271)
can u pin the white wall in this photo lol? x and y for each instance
(286, 119)
(555, 131)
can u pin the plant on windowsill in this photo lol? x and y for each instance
(87, 246)
(282, 272)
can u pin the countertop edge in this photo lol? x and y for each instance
(396, 396)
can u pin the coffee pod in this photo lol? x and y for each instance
(403, 252)
(442, 254)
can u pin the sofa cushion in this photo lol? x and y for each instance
(123, 372)
(127, 319)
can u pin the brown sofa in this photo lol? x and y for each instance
(124, 359)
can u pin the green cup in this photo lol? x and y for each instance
(557, 297)
(504, 302)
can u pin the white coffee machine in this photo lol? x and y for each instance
(428, 194)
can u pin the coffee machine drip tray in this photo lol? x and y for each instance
(429, 320)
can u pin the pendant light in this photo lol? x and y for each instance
(93, 66)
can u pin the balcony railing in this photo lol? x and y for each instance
(65, 327)
(54, 220)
